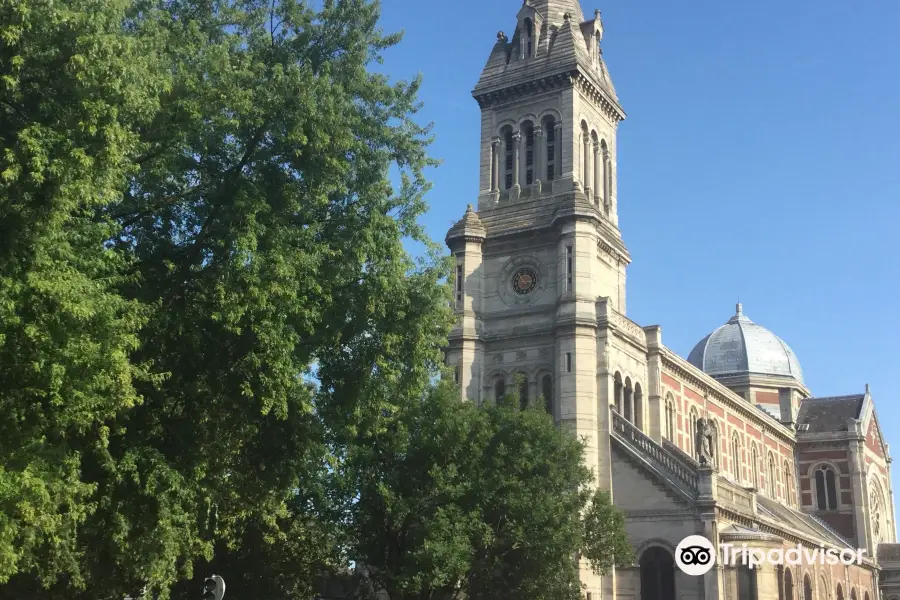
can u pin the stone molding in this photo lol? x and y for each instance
(706, 385)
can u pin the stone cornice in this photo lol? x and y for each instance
(587, 86)
(491, 96)
(627, 328)
(718, 392)
(763, 380)
(613, 253)
(571, 76)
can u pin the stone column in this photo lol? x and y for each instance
(707, 482)
(597, 175)
(540, 147)
(586, 176)
(495, 165)
(517, 158)
(558, 159)
(860, 497)
(607, 175)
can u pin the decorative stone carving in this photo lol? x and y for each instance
(705, 441)
(629, 327)
(498, 358)
(544, 352)
(521, 355)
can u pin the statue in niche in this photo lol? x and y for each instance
(705, 441)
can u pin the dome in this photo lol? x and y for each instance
(741, 347)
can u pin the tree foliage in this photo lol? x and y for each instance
(196, 216)
(210, 330)
(480, 503)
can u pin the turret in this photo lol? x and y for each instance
(465, 352)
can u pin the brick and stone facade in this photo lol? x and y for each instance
(541, 304)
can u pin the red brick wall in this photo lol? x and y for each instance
(843, 523)
(767, 398)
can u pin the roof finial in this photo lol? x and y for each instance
(739, 309)
(867, 388)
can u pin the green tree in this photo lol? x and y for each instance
(196, 217)
(74, 92)
(468, 502)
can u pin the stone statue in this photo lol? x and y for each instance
(705, 441)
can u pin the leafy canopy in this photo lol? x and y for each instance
(195, 216)
(196, 221)
(469, 502)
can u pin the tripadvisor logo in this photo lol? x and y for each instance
(696, 555)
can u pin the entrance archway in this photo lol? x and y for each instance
(657, 574)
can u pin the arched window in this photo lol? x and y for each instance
(746, 583)
(826, 488)
(788, 483)
(853, 595)
(807, 588)
(547, 392)
(657, 574)
(736, 456)
(788, 584)
(508, 158)
(839, 594)
(770, 477)
(638, 406)
(695, 445)
(529, 153)
(823, 588)
(523, 391)
(670, 418)
(754, 466)
(550, 136)
(865, 595)
(499, 389)
(779, 580)
(529, 38)
(876, 512)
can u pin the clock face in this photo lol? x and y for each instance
(524, 281)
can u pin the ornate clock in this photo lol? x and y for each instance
(521, 280)
(524, 281)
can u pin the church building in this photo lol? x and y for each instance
(728, 443)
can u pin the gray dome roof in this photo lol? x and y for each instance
(743, 347)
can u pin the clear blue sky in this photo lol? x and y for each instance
(760, 159)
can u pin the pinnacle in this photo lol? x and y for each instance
(554, 10)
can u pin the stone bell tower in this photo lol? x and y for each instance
(544, 245)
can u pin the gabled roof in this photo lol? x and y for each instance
(800, 521)
(827, 415)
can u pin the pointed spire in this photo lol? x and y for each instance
(553, 10)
